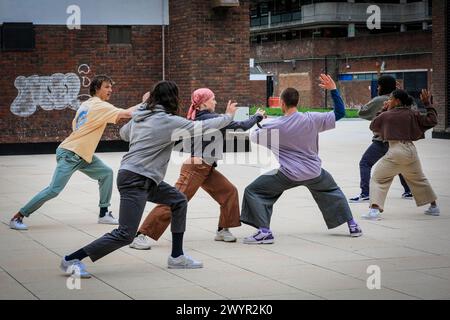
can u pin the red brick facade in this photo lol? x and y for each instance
(134, 68)
(210, 48)
(203, 47)
(400, 51)
(440, 66)
(258, 93)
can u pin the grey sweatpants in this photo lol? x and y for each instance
(261, 195)
(135, 190)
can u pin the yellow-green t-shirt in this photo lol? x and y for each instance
(88, 126)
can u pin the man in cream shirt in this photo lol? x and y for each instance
(76, 152)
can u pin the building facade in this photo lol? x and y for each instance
(295, 40)
(441, 73)
(51, 49)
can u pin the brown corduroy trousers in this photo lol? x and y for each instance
(192, 177)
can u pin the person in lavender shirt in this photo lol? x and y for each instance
(300, 165)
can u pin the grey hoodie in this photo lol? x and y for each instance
(152, 135)
(370, 110)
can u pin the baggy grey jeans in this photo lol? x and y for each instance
(261, 195)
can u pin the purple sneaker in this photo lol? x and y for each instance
(355, 231)
(260, 237)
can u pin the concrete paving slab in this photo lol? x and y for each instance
(307, 261)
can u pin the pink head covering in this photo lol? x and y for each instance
(198, 97)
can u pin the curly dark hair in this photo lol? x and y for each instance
(387, 85)
(405, 99)
(96, 83)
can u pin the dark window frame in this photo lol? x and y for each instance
(9, 28)
(122, 40)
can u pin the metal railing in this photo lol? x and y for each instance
(343, 12)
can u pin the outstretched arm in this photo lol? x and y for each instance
(370, 110)
(247, 124)
(125, 132)
(198, 128)
(127, 113)
(327, 83)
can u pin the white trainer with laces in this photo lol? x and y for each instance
(183, 262)
(433, 211)
(373, 214)
(225, 235)
(260, 237)
(18, 224)
(74, 267)
(141, 242)
(108, 219)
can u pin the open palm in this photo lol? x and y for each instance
(326, 82)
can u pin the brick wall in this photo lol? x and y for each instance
(205, 47)
(301, 81)
(357, 93)
(258, 93)
(440, 81)
(134, 68)
(210, 48)
(271, 57)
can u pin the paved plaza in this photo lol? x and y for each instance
(307, 261)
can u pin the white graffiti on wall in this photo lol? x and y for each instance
(55, 92)
(84, 69)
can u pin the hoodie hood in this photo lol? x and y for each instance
(142, 113)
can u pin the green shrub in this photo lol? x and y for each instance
(350, 113)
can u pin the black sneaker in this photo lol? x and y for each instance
(359, 199)
(407, 196)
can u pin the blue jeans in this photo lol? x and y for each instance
(67, 163)
(375, 152)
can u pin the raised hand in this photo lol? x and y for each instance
(231, 108)
(262, 112)
(425, 97)
(326, 82)
(145, 96)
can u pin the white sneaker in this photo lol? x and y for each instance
(225, 235)
(108, 219)
(183, 262)
(141, 242)
(260, 237)
(18, 224)
(74, 267)
(373, 214)
(433, 211)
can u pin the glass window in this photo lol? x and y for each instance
(17, 36)
(119, 34)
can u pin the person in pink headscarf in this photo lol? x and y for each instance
(200, 171)
(199, 98)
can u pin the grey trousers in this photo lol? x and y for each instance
(261, 195)
(135, 190)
